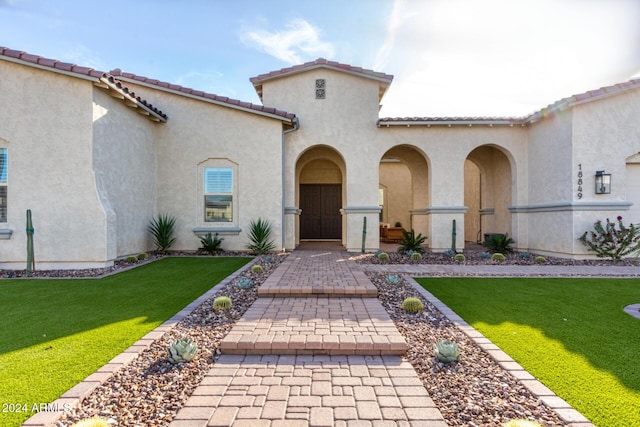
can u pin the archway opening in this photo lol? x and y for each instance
(487, 194)
(320, 174)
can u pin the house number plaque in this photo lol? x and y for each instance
(579, 181)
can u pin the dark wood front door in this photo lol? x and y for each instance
(320, 204)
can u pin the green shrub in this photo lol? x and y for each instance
(182, 350)
(412, 305)
(222, 303)
(162, 229)
(257, 268)
(210, 244)
(540, 259)
(131, 259)
(260, 236)
(416, 256)
(411, 242)
(497, 257)
(447, 351)
(499, 243)
(142, 256)
(521, 422)
(92, 422)
(383, 256)
(611, 241)
(460, 258)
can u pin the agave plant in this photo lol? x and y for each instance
(447, 351)
(411, 242)
(392, 279)
(260, 236)
(244, 283)
(182, 350)
(210, 244)
(162, 229)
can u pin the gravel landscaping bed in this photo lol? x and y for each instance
(475, 391)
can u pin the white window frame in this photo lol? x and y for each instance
(201, 218)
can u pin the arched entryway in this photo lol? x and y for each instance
(320, 174)
(487, 193)
(403, 189)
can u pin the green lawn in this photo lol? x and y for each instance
(54, 332)
(570, 333)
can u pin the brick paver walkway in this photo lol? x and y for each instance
(316, 349)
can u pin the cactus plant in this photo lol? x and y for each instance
(412, 305)
(222, 303)
(92, 422)
(447, 351)
(131, 259)
(416, 256)
(540, 259)
(393, 279)
(257, 268)
(520, 422)
(497, 257)
(182, 350)
(244, 283)
(142, 256)
(460, 258)
(383, 256)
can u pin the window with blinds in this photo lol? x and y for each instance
(218, 194)
(3, 184)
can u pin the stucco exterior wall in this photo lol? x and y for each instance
(46, 123)
(124, 161)
(199, 134)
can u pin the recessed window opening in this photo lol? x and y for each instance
(218, 194)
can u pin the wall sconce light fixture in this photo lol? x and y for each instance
(603, 182)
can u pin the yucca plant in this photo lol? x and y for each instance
(411, 242)
(182, 350)
(412, 305)
(162, 229)
(447, 351)
(211, 244)
(260, 236)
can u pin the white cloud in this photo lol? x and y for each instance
(83, 56)
(298, 40)
(207, 81)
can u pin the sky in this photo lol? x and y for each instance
(506, 58)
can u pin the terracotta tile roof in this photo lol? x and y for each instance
(49, 63)
(561, 105)
(223, 100)
(384, 79)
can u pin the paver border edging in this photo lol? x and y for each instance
(72, 398)
(565, 411)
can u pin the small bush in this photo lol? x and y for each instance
(244, 283)
(540, 259)
(497, 257)
(257, 268)
(416, 256)
(393, 279)
(460, 258)
(412, 305)
(222, 303)
(383, 256)
(142, 256)
(485, 255)
(182, 350)
(211, 244)
(521, 423)
(611, 241)
(92, 422)
(131, 259)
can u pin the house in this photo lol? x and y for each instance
(96, 155)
